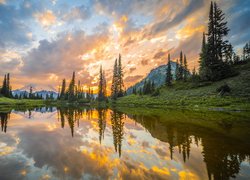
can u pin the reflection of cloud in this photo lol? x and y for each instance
(58, 150)
(12, 168)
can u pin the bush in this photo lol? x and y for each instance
(223, 89)
(156, 92)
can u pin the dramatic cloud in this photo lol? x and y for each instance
(133, 78)
(51, 39)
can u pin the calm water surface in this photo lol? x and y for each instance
(56, 143)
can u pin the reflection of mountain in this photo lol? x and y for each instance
(222, 155)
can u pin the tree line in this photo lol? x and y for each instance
(74, 92)
(6, 88)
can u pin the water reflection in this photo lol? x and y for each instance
(68, 143)
(4, 120)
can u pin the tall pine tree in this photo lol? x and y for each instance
(114, 86)
(63, 89)
(120, 78)
(181, 67)
(71, 89)
(168, 73)
(185, 69)
(216, 45)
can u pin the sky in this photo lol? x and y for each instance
(42, 42)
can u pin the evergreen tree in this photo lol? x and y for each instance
(31, 93)
(185, 69)
(51, 96)
(181, 67)
(104, 86)
(203, 61)
(120, 78)
(114, 86)
(8, 88)
(63, 89)
(4, 86)
(71, 90)
(168, 73)
(100, 86)
(246, 52)
(152, 87)
(177, 73)
(229, 54)
(216, 48)
(236, 58)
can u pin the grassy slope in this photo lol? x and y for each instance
(186, 96)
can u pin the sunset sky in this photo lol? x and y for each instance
(43, 42)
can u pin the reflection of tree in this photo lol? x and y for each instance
(102, 123)
(222, 155)
(72, 115)
(4, 121)
(117, 128)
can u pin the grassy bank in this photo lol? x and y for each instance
(7, 104)
(199, 95)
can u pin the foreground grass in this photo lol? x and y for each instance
(198, 96)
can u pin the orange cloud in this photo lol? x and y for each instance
(46, 19)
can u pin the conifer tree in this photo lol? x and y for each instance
(31, 93)
(8, 88)
(181, 66)
(104, 86)
(168, 73)
(4, 86)
(100, 86)
(203, 60)
(185, 69)
(246, 51)
(177, 70)
(63, 89)
(114, 86)
(216, 45)
(120, 78)
(71, 90)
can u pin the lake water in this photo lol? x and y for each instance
(62, 143)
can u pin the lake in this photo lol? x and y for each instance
(128, 143)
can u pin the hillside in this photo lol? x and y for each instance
(157, 75)
(203, 95)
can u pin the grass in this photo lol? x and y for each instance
(198, 96)
(6, 104)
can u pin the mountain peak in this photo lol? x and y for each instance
(36, 87)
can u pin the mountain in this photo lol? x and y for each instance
(37, 89)
(158, 75)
